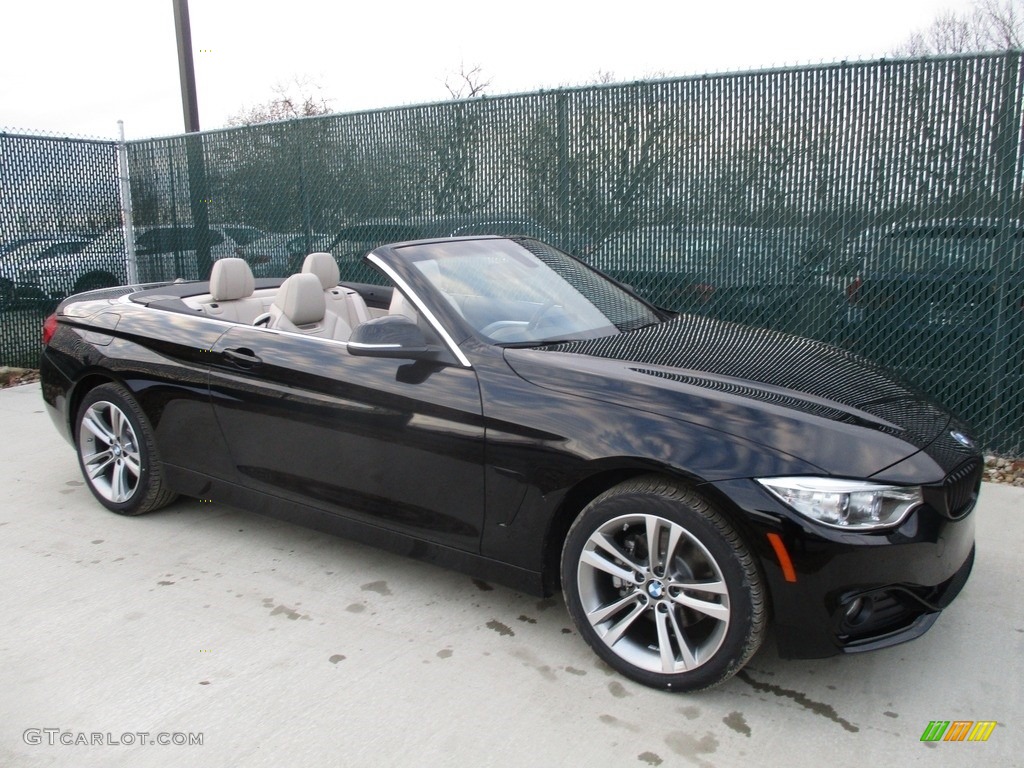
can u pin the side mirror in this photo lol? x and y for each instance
(388, 336)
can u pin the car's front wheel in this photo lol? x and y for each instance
(662, 586)
(117, 453)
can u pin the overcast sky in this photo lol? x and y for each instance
(75, 68)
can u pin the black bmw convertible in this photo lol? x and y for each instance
(496, 406)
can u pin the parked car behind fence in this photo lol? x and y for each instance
(24, 252)
(942, 301)
(753, 275)
(162, 253)
(353, 241)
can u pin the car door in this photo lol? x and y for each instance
(394, 443)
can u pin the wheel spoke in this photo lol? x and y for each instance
(608, 545)
(98, 428)
(131, 463)
(612, 636)
(602, 614)
(675, 533)
(715, 587)
(668, 656)
(653, 526)
(592, 558)
(117, 484)
(714, 610)
(689, 659)
(117, 422)
(98, 463)
(124, 482)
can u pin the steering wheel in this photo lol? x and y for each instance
(519, 330)
(535, 321)
(500, 325)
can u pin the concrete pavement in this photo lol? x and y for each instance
(282, 646)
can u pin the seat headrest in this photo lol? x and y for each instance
(324, 267)
(301, 299)
(231, 279)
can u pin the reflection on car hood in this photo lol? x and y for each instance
(720, 374)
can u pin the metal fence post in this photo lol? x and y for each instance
(562, 142)
(131, 265)
(199, 202)
(307, 213)
(1008, 159)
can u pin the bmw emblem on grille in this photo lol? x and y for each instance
(961, 438)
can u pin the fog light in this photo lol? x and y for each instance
(858, 611)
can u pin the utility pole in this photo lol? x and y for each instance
(198, 195)
(186, 67)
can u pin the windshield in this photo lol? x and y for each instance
(522, 292)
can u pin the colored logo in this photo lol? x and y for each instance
(958, 730)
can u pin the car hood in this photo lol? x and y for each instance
(821, 404)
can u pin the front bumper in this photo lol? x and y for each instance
(850, 592)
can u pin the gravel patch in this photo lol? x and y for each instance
(12, 377)
(1002, 470)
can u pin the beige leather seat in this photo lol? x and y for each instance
(401, 305)
(344, 302)
(231, 287)
(300, 307)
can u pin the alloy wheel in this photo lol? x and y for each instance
(653, 593)
(110, 453)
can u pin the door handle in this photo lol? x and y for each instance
(242, 357)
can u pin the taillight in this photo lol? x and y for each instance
(49, 328)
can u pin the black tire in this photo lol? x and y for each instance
(117, 454)
(657, 628)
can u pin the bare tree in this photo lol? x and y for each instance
(301, 97)
(449, 141)
(992, 25)
(467, 83)
(1002, 22)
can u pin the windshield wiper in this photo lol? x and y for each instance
(537, 343)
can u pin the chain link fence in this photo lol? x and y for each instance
(874, 205)
(56, 196)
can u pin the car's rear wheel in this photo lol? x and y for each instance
(117, 454)
(662, 587)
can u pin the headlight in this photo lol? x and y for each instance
(846, 504)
